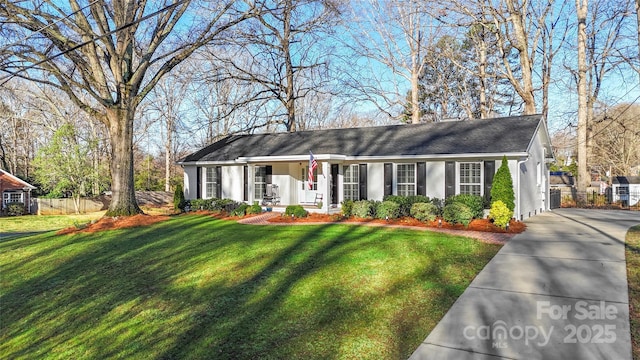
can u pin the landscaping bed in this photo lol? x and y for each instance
(484, 225)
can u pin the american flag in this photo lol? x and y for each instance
(313, 164)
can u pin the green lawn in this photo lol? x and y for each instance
(38, 223)
(196, 287)
(633, 279)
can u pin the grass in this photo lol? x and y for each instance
(40, 223)
(195, 287)
(633, 278)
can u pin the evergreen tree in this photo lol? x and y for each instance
(502, 188)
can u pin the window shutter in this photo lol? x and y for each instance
(449, 178)
(198, 182)
(388, 179)
(219, 182)
(489, 172)
(268, 173)
(245, 196)
(362, 181)
(421, 177)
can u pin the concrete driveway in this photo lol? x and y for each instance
(557, 291)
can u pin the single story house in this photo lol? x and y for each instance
(626, 189)
(14, 189)
(433, 159)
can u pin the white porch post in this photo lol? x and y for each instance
(326, 189)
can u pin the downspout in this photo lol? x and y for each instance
(518, 186)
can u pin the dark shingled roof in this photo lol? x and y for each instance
(626, 180)
(499, 135)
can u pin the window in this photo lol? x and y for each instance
(622, 190)
(260, 181)
(11, 197)
(211, 183)
(470, 178)
(351, 185)
(406, 179)
(305, 178)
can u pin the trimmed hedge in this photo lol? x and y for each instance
(363, 209)
(474, 202)
(500, 214)
(15, 209)
(387, 210)
(296, 210)
(457, 213)
(406, 202)
(424, 211)
(214, 204)
(347, 208)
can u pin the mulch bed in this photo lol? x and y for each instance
(484, 225)
(112, 223)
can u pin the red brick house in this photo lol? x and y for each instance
(14, 189)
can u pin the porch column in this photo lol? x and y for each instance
(326, 188)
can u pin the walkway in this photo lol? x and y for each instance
(488, 237)
(557, 291)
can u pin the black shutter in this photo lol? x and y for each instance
(198, 182)
(268, 173)
(421, 177)
(388, 179)
(449, 178)
(362, 181)
(245, 196)
(489, 172)
(219, 182)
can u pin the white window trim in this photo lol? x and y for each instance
(305, 178)
(208, 181)
(6, 197)
(395, 178)
(458, 173)
(256, 183)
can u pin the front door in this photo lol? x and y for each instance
(334, 184)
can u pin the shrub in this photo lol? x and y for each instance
(406, 202)
(15, 209)
(347, 208)
(424, 211)
(254, 209)
(502, 187)
(296, 210)
(500, 214)
(241, 210)
(178, 198)
(363, 209)
(387, 210)
(439, 204)
(473, 202)
(457, 213)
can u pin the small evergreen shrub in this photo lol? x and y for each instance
(457, 213)
(296, 210)
(387, 210)
(347, 207)
(15, 209)
(254, 209)
(241, 210)
(502, 187)
(406, 202)
(439, 204)
(363, 209)
(214, 204)
(425, 211)
(474, 202)
(178, 198)
(500, 214)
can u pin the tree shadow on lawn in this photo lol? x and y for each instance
(160, 292)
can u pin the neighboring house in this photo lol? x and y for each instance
(435, 159)
(14, 189)
(626, 189)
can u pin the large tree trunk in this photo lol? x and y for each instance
(584, 178)
(123, 198)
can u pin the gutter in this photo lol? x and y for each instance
(520, 162)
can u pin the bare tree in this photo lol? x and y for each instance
(392, 37)
(584, 178)
(107, 56)
(616, 145)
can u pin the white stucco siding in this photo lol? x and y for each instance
(435, 179)
(232, 182)
(375, 181)
(190, 182)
